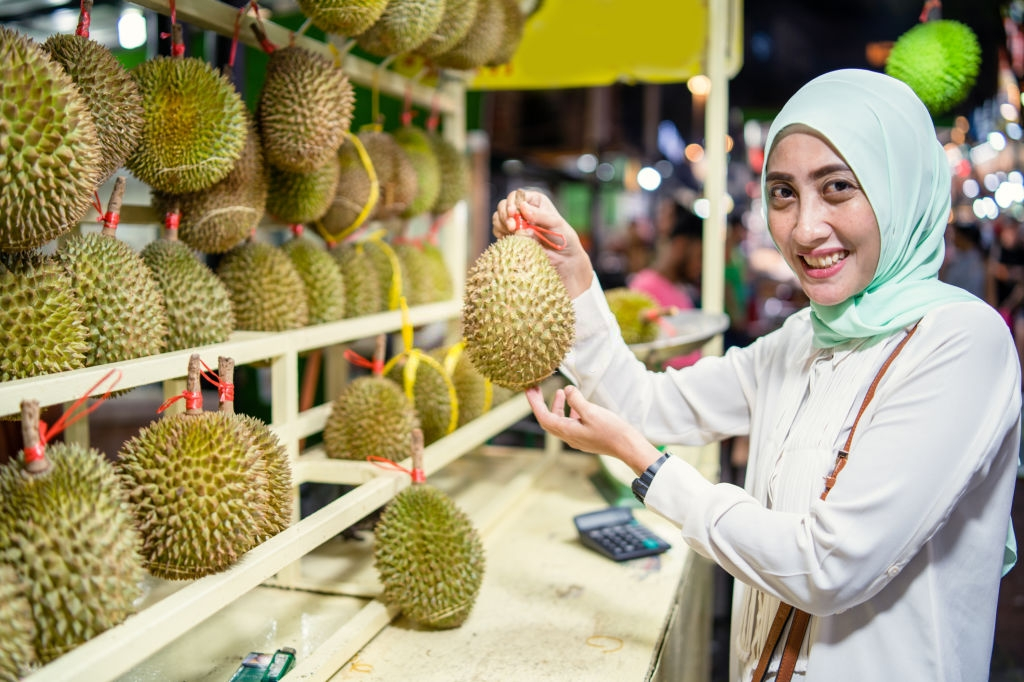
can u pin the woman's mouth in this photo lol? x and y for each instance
(824, 265)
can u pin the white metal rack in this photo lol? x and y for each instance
(156, 625)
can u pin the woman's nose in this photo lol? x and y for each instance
(811, 224)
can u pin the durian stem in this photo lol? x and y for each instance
(172, 219)
(177, 41)
(226, 389)
(417, 456)
(35, 457)
(113, 214)
(192, 383)
(379, 351)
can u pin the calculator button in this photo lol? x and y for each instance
(650, 544)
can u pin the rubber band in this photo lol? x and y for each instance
(36, 452)
(418, 475)
(521, 224)
(84, 21)
(375, 366)
(111, 221)
(193, 401)
(225, 389)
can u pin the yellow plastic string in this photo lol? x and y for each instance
(451, 359)
(395, 291)
(371, 201)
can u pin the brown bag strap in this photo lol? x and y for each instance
(801, 618)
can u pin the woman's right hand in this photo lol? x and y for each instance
(571, 261)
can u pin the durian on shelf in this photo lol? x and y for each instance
(637, 313)
(402, 27)
(321, 277)
(267, 292)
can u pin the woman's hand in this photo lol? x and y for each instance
(571, 262)
(591, 428)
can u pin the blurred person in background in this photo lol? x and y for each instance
(965, 260)
(1005, 286)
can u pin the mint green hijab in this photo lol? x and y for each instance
(886, 135)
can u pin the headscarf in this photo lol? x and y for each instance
(886, 135)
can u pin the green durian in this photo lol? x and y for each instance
(17, 628)
(324, 283)
(404, 26)
(66, 527)
(474, 391)
(481, 43)
(440, 275)
(355, 197)
(362, 281)
(297, 198)
(41, 317)
(517, 317)
(195, 125)
(395, 173)
(267, 293)
(426, 382)
(636, 312)
(455, 24)
(50, 154)
(424, 162)
(343, 17)
(198, 305)
(418, 276)
(512, 25)
(454, 168)
(939, 60)
(389, 270)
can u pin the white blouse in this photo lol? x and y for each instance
(901, 564)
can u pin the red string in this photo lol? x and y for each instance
(929, 5)
(521, 224)
(234, 38)
(418, 475)
(172, 220)
(298, 229)
(225, 389)
(83, 23)
(435, 117)
(193, 401)
(70, 416)
(407, 112)
(435, 227)
(97, 204)
(111, 220)
(376, 366)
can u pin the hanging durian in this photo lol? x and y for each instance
(418, 273)
(395, 173)
(474, 391)
(512, 25)
(414, 141)
(636, 312)
(362, 281)
(267, 293)
(324, 283)
(440, 275)
(66, 528)
(454, 169)
(357, 194)
(481, 42)
(302, 197)
(198, 304)
(389, 269)
(343, 17)
(121, 301)
(110, 92)
(428, 554)
(194, 123)
(455, 24)
(305, 108)
(50, 154)
(17, 627)
(404, 26)
(199, 492)
(371, 416)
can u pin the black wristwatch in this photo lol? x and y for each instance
(643, 482)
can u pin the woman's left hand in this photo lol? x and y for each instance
(591, 428)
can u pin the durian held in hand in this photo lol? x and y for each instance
(428, 554)
(518, 319)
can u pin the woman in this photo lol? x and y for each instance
(900, 566)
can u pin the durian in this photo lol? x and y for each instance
(455, 24)
(513, 23)
(418, 274)
(636, 312)
(417, 146)
(197, 302)
(17, 628)
(404, 26)
(343, 17)
(441, 276)
(50, 154)
(356, 196)
(195, 124)
(111, 94)
(122, 306)
(517, 317)
(66, 528)
(454, 170)
(267, 293)
(324, 283)
(481, 43)
(362, 282)
(474, 391)
(302, 197)
(428, 555)
(389, 269)
(428, 384)
(199, 491)
(939, 60)
(395, 173)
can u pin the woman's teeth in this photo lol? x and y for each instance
(825, 261)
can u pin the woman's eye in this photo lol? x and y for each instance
(779, 192)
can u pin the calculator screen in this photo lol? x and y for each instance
(612, 516)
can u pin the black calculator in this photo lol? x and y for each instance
(615, 533)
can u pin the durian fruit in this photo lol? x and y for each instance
(636, 312)
(441, 277)
(371, 416)
(404, 26)
(195, 124)
(267, 293)
(66, 528)
(50, 154)
(455, 24)
(343, 17)
(198, 489)
(480, 44)
(454, 168)
(305, 108)
(324, 283)
(17, 628)
(362, 282)
(517, 317)
(121, 301)
(356, 196)
(418, 276)
(217, 219)
(389, 269)
(197, 302)
(513, 23)
(395, 173)
(41, 317)
(302, 197)
(939, 60)
(417, 146)
(111, 94)
(475, 393)
(428, 554)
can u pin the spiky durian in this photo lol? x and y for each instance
(302, 197)
(17, 628)
(267, 293)
(481, 42)
(440, 275)
(362, 281)
(50, 154)
(371, 416)
(395, 173)
(404, 26)
(304, 110)
(418, 276)
(390, 277)
(517, 317)
(939, 60)
(66, 527)
(425, 380)
(636, 312)
(343, 17)
(356, 196)
(417, 146)
(195, 125)
(455, 24)
(197, 302)
(41, 317)
(324, 283)
(474, 391)
(198, 490)
(454, 170)
(111, 94)
(219, 218)
(513, 22)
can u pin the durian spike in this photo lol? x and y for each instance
(192, 386)
(113, 214)
(36, 462)
(418, 474)
(226, 386)
(84, 19)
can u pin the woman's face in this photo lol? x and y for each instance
(821, 219)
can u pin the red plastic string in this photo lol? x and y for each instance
(83, 23)
(375, 366)
(97, 204)
(193, 401)
(225, 389)
(298, 229)
(234, 37)
(407, 112)
(111, 220)
(70, 416)
(521, 224)
(435, 228)
(435, 116)
(418, 475)
(172, 220)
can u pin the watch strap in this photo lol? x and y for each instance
(642, 483)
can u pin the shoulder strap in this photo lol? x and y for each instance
(801, 618)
